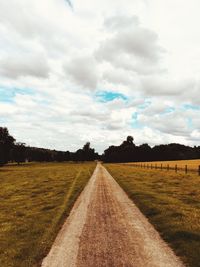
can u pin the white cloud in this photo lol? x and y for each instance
(23, 65)
(129, 45)
(83, 70)
(65, 57)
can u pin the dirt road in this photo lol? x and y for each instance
(105, 229)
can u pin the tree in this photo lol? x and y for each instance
(144, 152)
(129, 139)
(86, 147)
(19, 153)
(6, 143)
(85, 154)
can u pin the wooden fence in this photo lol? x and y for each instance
(167, 167)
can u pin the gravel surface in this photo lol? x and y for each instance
(106, 229)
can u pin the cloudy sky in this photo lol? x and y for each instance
(99, 70)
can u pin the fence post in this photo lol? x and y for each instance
(176, 168)
(156, 167)
(199, 170)
(186, 169)
(151, 166)
(161, 166)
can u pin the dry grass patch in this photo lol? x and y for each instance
(35, 199)
(171, 202)
(191, 164)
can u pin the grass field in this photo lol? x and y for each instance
(171, 201)
(191, 164)
(35, 199)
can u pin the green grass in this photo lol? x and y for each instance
(35, 199)
(170, 201)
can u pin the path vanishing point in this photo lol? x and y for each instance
(106, 229)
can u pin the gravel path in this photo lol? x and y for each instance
(105, 229)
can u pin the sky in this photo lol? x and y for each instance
(98, 70)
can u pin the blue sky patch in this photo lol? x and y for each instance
(8, 94)
(146, 104)
(135, 123)
(189, 123)
(69, 3)
(168, 110)
(107, 96)
(190, 106)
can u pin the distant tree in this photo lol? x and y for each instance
(128, 142)
(6, 144)
(144, 152)
(130, 139)
(85, 154)
(68, 156)
(19, 152)
(86, 147)
(127, 151)
(123, 153)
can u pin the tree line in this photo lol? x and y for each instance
(12, 151)
(127, 151)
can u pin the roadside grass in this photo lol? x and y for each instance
(191, 164)
(35, 200)
(170, 201)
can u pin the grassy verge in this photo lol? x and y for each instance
(35, 199)
(191, 164)
(171, 202)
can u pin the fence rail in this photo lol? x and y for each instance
(167, 167)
